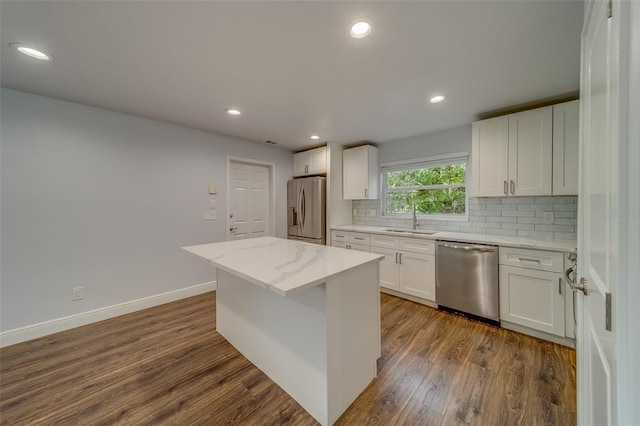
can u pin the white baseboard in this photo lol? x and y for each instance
(22, 334)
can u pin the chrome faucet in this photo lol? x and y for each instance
(415, 219)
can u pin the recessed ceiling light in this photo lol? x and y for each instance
(359, 28)
(232, 111)
(315, 137)
(31, 52)
(437, 99)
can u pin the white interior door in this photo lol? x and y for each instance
(598, 234)
(249, 195)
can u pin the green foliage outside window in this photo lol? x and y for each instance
(433, 190)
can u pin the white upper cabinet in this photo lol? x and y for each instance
(360, 173)
(490, 157)
(512, 155)
(311, 162)
(530, 152)
(565, 148)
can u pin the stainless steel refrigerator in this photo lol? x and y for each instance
(306, 209)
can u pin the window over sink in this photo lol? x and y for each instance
(437, 186)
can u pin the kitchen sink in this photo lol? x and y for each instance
(411, 231)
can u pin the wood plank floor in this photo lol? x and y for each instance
(168, 366)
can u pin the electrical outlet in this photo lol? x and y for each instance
(548, 218)
(78, 293)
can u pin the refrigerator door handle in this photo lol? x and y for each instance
(300, 218)
(303, 209)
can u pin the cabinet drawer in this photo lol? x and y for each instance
(384, 241)
(359, 238)
(340, 236)
(417, 245)
(532, 259)
(349, 246)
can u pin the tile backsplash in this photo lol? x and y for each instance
(515, 216)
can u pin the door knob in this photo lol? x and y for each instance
(582, 286)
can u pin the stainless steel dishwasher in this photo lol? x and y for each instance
(467, 279)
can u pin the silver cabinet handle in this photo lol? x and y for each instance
(559, 285)
(524, 259)
(400, 258)
(366, 193)
(506, 188)
(359, 239)
(513, 188)
(396, 257)
(232, 229)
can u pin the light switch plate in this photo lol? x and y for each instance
(210, 215)
(548, 218)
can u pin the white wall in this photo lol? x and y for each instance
(447, 141)
(105, 200)
(513, 216)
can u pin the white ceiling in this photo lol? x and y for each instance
(291, 68)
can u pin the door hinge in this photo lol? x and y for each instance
(609, 8)
(607, 320)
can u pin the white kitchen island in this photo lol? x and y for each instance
(307, 315)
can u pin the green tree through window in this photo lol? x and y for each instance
(437, 190)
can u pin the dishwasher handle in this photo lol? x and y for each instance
(468, 248)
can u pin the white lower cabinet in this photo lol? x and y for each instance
(389, 268)
(410, 272)
(533, 296)
(418, 275)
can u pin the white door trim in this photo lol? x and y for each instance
(627, 314)
(271, 231)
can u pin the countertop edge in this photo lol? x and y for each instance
(563, 246)
(275, 289)
(323, 279)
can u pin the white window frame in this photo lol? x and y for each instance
(425, 162)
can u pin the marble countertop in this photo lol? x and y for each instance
(283, 266)
(564, 246)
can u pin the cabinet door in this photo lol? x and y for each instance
(300, 162)
(565, 148)
(530, 152)
(490, 157)
(340, 244)
(359, 173)
(418, 275)
(318, 161)
(358, 247)
(532, 298)
(389, 268)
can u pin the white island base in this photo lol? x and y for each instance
(311, 323)
(319, 345)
